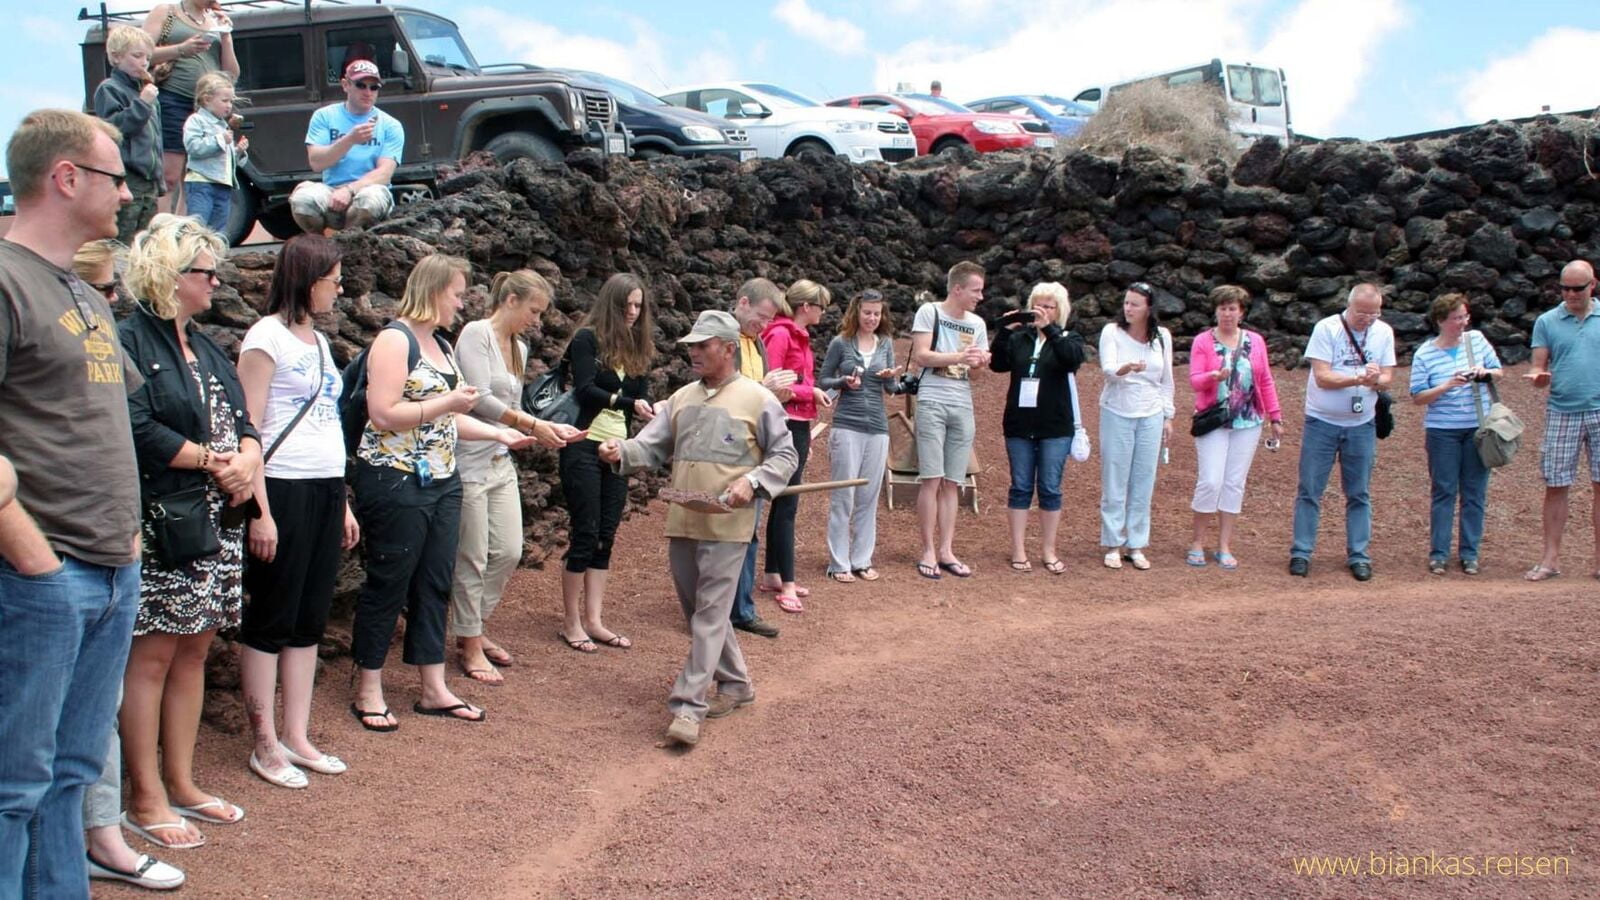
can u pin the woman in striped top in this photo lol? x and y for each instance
(1446, 377)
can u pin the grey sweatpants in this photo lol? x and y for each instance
(705, 574)
(853, 512)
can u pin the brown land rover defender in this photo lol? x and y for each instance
(292, 52)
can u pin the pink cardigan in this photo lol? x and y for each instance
(1203, 361)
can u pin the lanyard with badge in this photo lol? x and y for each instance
(1028, 388)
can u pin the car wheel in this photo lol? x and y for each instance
(522, 145)
(278, 221)
(809, 145)
(947, 144)
(241, 215)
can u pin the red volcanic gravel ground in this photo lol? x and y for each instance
(1176, 732)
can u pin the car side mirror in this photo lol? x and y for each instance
(753, 110)
(400, 63)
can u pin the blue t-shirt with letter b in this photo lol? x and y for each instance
(330, 123)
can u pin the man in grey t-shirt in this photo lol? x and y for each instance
(949, 342)
(69, 545)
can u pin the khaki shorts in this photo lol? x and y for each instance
(944, 441)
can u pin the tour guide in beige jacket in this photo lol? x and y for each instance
(726, 435)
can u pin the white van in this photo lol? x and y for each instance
(1257, 95)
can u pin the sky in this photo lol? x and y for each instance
(1354, 68)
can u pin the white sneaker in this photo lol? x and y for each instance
(150, 873)
(684, 730)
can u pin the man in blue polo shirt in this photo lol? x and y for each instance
(356, 147)
(1566, 359)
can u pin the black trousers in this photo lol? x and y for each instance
(596, 497)
(289, 597)
(780, 522)
(411, 534)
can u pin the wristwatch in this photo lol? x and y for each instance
(755, 483)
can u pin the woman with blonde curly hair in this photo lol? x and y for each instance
(198, 455)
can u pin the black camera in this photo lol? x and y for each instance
(1017, 317)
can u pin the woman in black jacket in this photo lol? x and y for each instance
(1039, 353)
(608, 361)
(198, 452)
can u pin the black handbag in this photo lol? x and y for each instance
(181, 525)
(1216, 415)
(548, 398)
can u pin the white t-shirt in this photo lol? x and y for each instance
(1331, 344)
(1136, 395)
(950, 385)
(315, 449)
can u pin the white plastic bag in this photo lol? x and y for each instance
(1080, 434)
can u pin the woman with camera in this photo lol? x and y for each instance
(1447, 376)
(1234, 395)
(859, 365)
(198, 456)
(1033, 345)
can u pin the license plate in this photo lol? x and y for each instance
(1045, 142)
(746, 155)
(901, 142)
(614, 145)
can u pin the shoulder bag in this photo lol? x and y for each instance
(1216, 415)
(1499, 433)
(1383, 420)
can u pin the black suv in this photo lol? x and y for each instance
(661, 129)
(292, 53)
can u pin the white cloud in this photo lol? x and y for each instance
(839, 35)
(1556, 69)
(1328, 51)
(1064, 45)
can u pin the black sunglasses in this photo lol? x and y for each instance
(109, 289)
(116, 179)
(1574, 288)
(367, 85)
(196, 270)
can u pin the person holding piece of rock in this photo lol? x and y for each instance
(725, 435)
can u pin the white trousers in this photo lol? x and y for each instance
(1224, 457)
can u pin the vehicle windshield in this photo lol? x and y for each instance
(623, 91)
(778, 98)
(1064, 108)
(929, 105)
(438, 42)
(1255, 86)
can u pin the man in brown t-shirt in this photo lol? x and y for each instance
(69, 546)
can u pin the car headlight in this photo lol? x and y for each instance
(840, 126)
(702, 134)
(994, 126)
(576, 99)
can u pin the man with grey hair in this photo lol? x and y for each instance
(727, 437)
(1566, 359)
(1352, 359)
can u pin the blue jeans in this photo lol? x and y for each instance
(1356, 448)
(1036, 462)
(1129, 452)
(744, 597)
(63, 646)
(1456, 471)
(210, 203)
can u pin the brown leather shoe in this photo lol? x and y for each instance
(684, 730)
(724, 704)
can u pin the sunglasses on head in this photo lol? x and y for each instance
(1142, 287)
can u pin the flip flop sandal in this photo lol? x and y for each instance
(475, 674)
(198, 811)
(790, 604)
(871, 574)
(928, 571)
(1541, 572)
(1021, 565)
(1055, 566)
(148, 833)
(449, 712)
(842, 577)
(958, 568)
(616, 640)
(1196, 558)
(503, 659)
(1113, 560)
(1226, 561)
(578, 645)
(799, 591)
(362, 716)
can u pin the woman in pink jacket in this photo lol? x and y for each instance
(1231, 361)
(789, 347)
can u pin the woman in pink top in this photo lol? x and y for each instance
(789, 347)
(1229, 356)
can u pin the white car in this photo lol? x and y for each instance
(783, 123)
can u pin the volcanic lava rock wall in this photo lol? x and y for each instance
(1493, 213)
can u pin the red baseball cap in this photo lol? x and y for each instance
(362, 68)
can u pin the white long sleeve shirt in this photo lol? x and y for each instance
(1136, 394)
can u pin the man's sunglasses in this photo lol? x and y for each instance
(367, 85)
(117, 178)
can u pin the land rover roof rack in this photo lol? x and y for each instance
(106, 17)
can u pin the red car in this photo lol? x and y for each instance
(940, 124)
